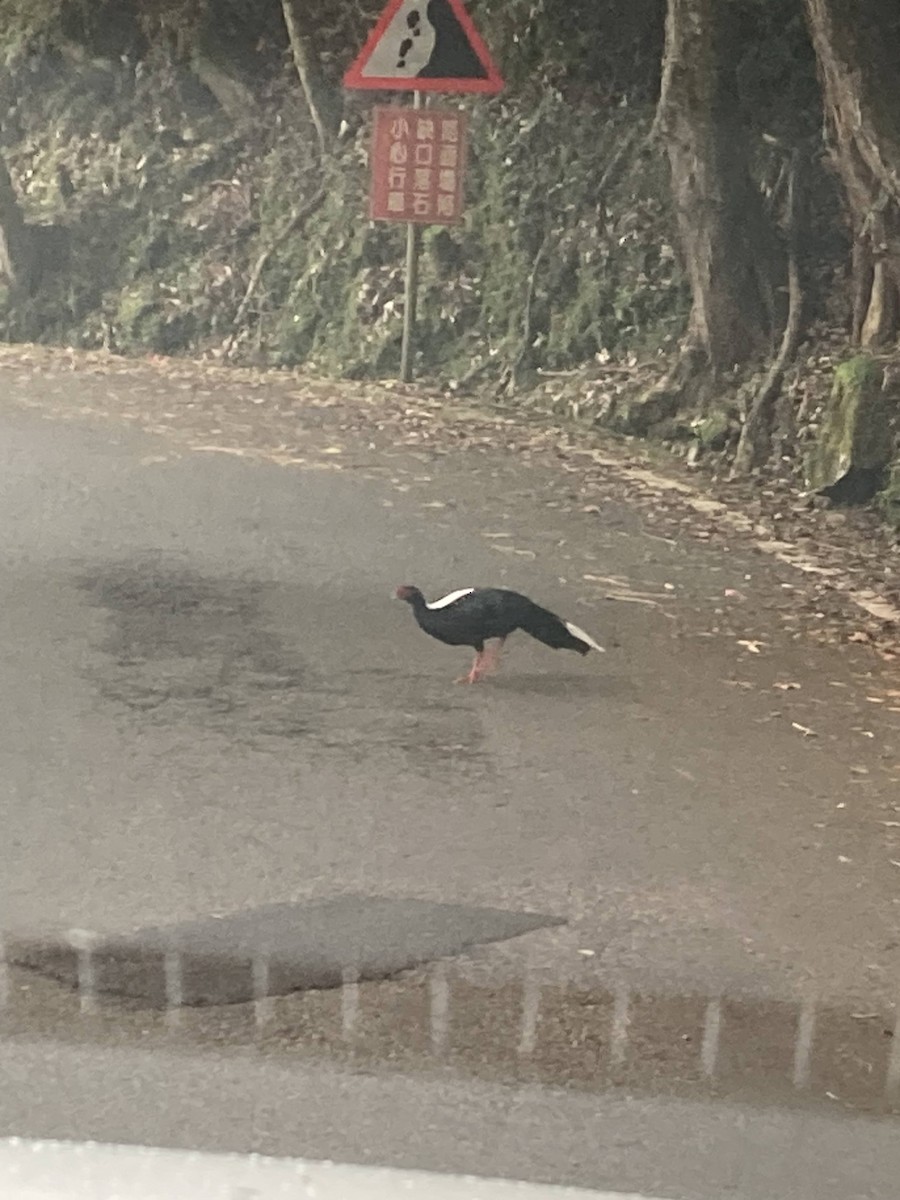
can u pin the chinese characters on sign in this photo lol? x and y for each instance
(418, 160)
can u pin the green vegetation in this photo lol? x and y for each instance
(172, 205)
(191, 205)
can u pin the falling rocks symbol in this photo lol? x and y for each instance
(423, 40)
(453, 56)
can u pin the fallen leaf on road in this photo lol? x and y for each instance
(222, 450)
(787, 687)
(753, 647)
(615, 581)
(631, 599)
(804, 729)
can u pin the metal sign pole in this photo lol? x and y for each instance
(384, 64)
(411, 287)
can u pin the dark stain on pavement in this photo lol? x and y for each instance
(271, 950)
(189, 650)
(180, 644)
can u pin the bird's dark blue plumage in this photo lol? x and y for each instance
(474, 616)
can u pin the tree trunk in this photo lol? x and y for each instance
(857, 44)
(755, 442)
(729, 253)
(323, 100)
(16, 243)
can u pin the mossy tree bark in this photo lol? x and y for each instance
(857, 44)
(323, 100)
(729, 251)
(725, 242)
(16, 242)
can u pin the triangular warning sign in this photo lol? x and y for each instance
(425, 46)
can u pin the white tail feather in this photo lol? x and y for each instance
(583, 637)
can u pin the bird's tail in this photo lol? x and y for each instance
(550, 629)
(584, 638)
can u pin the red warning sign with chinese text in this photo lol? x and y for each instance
(417, 163)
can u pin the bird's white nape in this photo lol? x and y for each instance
(450, 598)
(583, 637)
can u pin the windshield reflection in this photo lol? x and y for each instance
(526, 1029)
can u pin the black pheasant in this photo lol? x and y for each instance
(474, 616)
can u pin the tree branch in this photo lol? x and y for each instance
(322, 100)
(754, 444)
(16, 241)
(259, 266)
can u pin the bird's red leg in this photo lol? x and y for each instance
(492, 657)
(478, 669)
(486, 662)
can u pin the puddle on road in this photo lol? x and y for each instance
(183, 649)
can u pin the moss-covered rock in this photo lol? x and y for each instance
(888, 499)
(856, 433)
(713, 431)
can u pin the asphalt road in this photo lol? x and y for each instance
(212, 704)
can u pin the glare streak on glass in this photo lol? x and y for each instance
(618, 1040)
(4, 974)
(892, 1084)
(174, 987)
(263, 1003)
(531, 1008)
(712, 1027)
(439, 995)
(349, 1001)
(81, 941)
(806, 1027)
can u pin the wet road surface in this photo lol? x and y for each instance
(213, 706)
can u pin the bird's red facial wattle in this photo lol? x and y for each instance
(404, 592)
